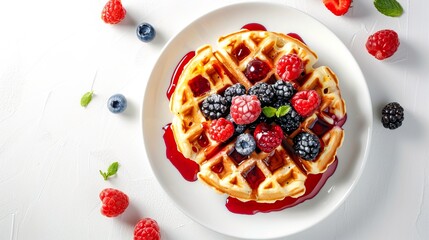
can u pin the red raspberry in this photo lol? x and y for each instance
(383, 44)
(245, 109)
(290, 67)
(147, 229)
(338, 7)
(113, 12)
(221, 129)
(306, 102)
(268, 137)
(114, 202)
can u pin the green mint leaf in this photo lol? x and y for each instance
(269, 111)
(282, 110)
(86, 99)
(113, 168)
(390, 8)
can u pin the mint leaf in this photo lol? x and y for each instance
(269, 111)
(113, 168)
(86, 99)
(389, 8)
(282, 110)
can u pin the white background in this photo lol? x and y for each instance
(51, 52)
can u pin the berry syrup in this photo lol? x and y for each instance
(254, 27)
(177, 71)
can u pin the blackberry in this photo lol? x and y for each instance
(392, 115)
(245, 144)
(214, 106)
(289, 122)
(261, 118)
(306, 145)
(238, 128)
(234, 90)
(264, 92)
(283, 90)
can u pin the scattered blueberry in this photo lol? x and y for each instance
(245, 144)
(117, 103)
(145, 32)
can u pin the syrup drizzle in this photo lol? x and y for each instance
(177, 71)
(187, 168)
(254, 27)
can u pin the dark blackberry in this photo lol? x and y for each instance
(289, 122)
(264, 92)
(261, 118)
(245, 144)
(306, 145)
(214, 106)
(392, 115)
(237, 127)
(283, 90)
(234, 90)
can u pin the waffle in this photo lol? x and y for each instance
(261, 176)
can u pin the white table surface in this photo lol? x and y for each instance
(51, 148)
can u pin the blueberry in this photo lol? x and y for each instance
(117, 103)
(245, 144)
(145, 32)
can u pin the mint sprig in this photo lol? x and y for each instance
(278, 112)
(86, 98)
(390, 8)
(113, 168)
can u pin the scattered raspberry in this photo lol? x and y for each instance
(383, 44)
(268, 137)
(290, 67)
(245, 109)
(147, 229)
(114, 202)
(305, 102)
(113, 12)
(338, 7)
(221, 129)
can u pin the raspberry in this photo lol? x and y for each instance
(221, 129)
(338, 7)
(306, 102)
(234, 90)
(264, 92)
(306, 145)
(147, 229)
(290, 67)
(114, 202)
(113, 12)
(383, 44)
(214, 106)
(256, 70)
(268, 137)
(245, 109)
(392, 115)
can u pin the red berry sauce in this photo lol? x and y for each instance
(296, 36)
(187, 168)
(254, 27)
(177, 71)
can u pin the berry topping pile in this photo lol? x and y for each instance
(114, 202)
(392, 115)
(261, 117)
(382, 44)
(113, 12)
(147, 229)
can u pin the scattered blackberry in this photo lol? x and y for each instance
(214, 106)
(306, 145)
(234, 90)
(283, 90)
(264, 92)
(245, 144)
(289, 122)
(392, 115)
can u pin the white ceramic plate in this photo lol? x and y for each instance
(200, 202)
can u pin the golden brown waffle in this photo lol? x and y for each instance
(263, 177)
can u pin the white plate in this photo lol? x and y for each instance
(200, 202)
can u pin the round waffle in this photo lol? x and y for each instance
(261, 176)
